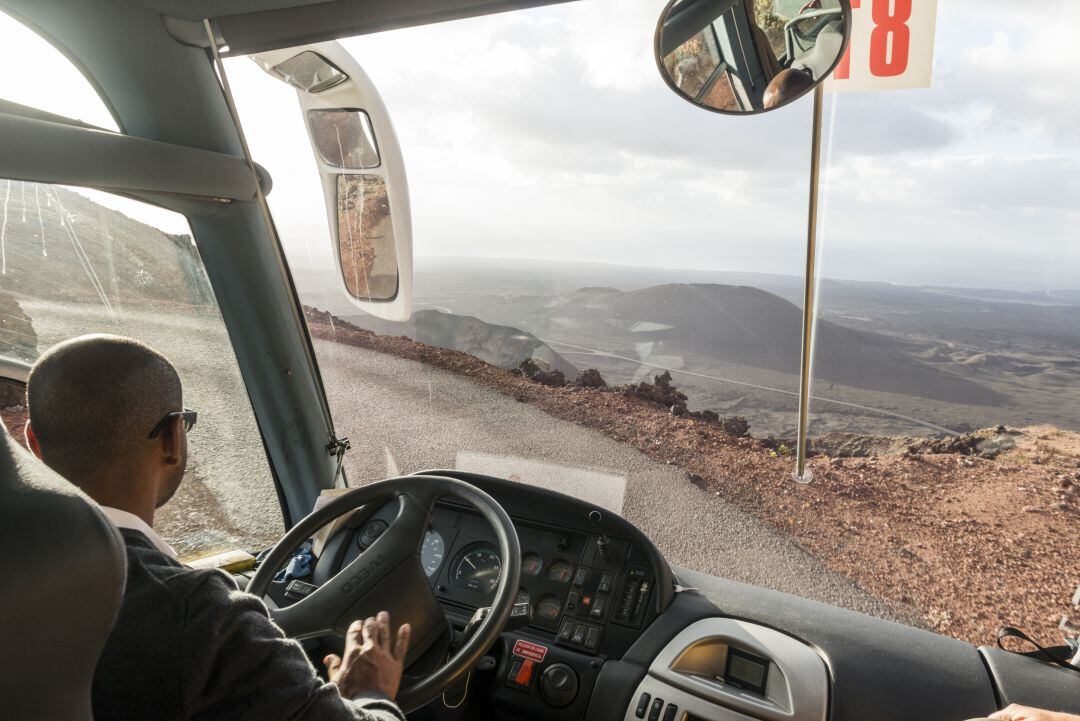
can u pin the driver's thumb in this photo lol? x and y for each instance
(401, 646)
(332, 663)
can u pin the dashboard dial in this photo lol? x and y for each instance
(531, 564)
(548, 607)
(560, 571)
(478, 569)
(432, 553)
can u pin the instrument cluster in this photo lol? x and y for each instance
(463, 564)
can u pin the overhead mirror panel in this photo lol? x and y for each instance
(310, 72)
(344, 138)
(749, 56)
(362, 173)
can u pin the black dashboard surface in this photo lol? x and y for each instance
(877, 669)
(880, 670)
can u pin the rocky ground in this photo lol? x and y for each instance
(974, 533)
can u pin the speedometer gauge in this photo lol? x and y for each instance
(548, 607)
(478, 569)
(560, 571)
(531, 564)
(432, 552)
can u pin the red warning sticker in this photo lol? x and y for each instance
(535, 651)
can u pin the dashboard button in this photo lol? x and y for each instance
(524, 675)
(642, 705)
(657, 707)
(581, 576)
(579, 635)
(572, 601)
(606, 582)
(598, 608)
(592, 639)
(670, 711)
(566, 631)
(558, 685)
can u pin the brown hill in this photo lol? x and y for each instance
(501, 345)
(749, 326)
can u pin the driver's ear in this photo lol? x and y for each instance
(32, 440)
(172, 441)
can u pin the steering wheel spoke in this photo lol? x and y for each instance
(299, 622)
(388, 575)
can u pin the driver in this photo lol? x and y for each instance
(785, 86)
(107, 414)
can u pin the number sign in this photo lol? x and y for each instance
(891, 48)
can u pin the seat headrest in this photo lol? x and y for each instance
(63, 570)
(818, 60)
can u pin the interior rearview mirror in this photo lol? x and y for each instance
(749, 56)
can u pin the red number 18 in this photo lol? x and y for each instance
(890, 23)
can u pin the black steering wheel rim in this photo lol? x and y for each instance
(344, 595)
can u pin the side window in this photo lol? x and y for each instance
(53, 84)
(694, 62)
(77, 261)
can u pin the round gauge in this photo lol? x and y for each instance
(560, 571)
(548, 607)
(531, 564)
(432, 552)
(478, 569)
(522, 597)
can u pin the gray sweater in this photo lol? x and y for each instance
(189, 645)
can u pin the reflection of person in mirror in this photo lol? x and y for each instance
(785, 86)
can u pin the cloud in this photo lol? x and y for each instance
(549, 133)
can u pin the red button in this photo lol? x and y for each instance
(586, 600)
(524, 674)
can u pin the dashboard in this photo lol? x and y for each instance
(587, 589)
(609, 639)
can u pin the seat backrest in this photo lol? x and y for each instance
(62, 571)
(818, 60)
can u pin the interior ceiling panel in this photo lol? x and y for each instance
(249, 26)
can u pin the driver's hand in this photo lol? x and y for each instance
(369, 664)
(1016, 712)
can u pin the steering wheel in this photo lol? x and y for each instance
(389, 576)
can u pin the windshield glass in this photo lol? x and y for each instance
(607, 302)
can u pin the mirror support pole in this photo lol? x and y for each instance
(803, 474)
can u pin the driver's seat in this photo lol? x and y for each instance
(61, 583)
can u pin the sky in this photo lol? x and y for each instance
(548, 133)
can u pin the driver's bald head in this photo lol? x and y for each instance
(785, 86)
(93, 400)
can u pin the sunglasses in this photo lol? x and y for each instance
(187, 414)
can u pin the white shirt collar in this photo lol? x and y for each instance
(123, 519)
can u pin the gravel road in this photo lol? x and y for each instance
(403, 416)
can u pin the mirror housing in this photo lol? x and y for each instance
(742, 57)
(362, 173)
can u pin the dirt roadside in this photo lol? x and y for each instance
(973, 543)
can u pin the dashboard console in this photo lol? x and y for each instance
(609, 639)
